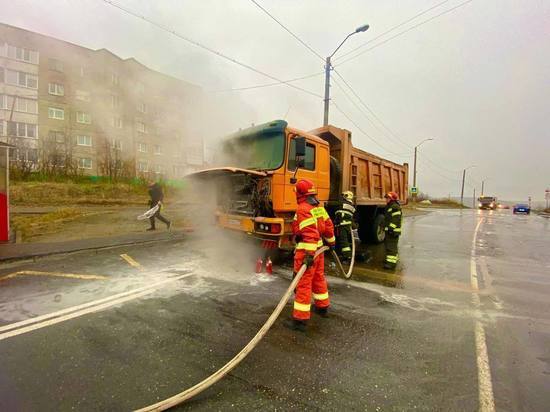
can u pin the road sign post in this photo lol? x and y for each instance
(547, 196)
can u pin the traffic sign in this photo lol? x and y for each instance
(414, 190)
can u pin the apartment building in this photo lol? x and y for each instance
(69, 106)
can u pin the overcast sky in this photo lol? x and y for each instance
(476, 79)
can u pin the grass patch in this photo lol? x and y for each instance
(33, 225)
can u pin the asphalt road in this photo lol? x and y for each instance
(464, 323)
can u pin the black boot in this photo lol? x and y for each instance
(295, 324)
(323, 312)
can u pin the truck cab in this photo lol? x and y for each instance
(260, 165)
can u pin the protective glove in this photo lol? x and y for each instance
(297, 238)
(308, 260)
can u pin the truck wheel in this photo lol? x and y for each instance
(378, 234)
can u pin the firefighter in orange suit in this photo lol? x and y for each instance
(311, 226)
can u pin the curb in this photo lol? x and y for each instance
(68, 249)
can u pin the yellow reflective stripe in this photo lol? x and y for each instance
(307, 246)
(307, 222)
(390, 209)
(330, 239)
(346, 249)
(396, 213)
(386, 229)
(319, 243)
(318, 212)
(393, 225)
(320, 296)
(392, 259)
(302, 307)
(397, 230)
(345, 223)
(295, 218)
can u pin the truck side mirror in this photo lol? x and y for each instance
(300, 142)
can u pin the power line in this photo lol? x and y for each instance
(268, 84)
(391, 134)
(391, 29)
(362, 131)
(202, 46)
(406, 31)
(303, 43)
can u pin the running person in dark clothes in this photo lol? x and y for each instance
(157, 196)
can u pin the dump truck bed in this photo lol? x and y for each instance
(368, 176)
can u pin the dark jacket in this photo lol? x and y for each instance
(344, 214)
(393, 218)
(155, 192)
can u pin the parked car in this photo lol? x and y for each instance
(522, 208)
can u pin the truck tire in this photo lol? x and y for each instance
(371, 228)
(335, 178)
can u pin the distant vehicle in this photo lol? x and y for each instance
(487, 202)
(522, 208)
(501, 206)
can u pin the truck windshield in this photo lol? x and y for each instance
(261, 151)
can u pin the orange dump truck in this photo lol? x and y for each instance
(255, 185)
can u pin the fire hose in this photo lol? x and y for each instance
(347, 274)
(224, 370)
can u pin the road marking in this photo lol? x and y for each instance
(80, 310)
(131, 261)
(53, 274)
(486, 395)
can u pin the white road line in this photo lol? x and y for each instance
(486, 396)
(132, 294)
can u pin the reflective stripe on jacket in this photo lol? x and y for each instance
(393, 218)
(312, 223)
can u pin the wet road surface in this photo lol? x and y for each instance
(464, 323)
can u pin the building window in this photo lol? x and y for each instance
(56, 113)
(56, 89)
(158, 149)
(55, 65)
(117, 122)
(141, 127)
(142, 166)
(114, 79)
(1, 75)
(142, 147)
(142, 107)
(158, 169)
(84, 118)
(117, 144)
(56, 136)
(85, 163)
(22, 130)
(21, 104)
(114, 101)
(83, 140)
(82, 95)
(21, 79)
(25, 55)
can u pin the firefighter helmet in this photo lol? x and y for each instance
(305, 187)
(348, 195)
(392, 196)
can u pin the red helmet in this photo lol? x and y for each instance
(392, 196)
(305, 187)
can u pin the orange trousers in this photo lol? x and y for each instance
(313, 282)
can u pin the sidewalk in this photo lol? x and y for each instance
(10, 252)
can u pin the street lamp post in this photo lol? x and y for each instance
(414, 171)
(463, 179)
(328, 67)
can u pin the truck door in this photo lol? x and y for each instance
(309, 171)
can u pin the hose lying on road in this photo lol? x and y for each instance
(216, 376)
(347, 274)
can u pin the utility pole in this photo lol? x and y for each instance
(414, 171)
(328, 67)
(463, 180)
(482, 186)
(462, 191)
(327, 90)
(474, 199)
